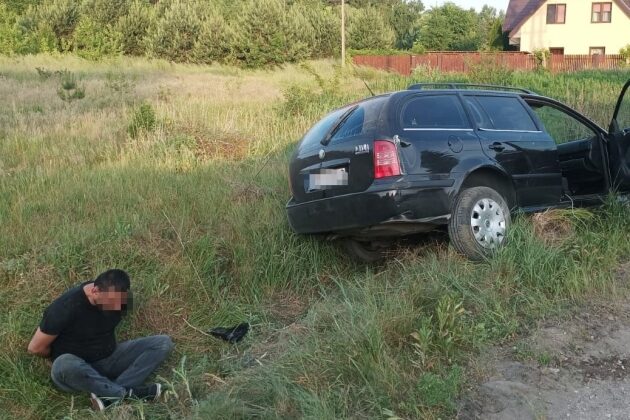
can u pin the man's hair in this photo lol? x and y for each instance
(113, 279)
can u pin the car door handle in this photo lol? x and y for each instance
(499, 147)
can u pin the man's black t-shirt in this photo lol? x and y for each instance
(81, 328)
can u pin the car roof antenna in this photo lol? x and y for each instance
(366, 85)
(363, 80)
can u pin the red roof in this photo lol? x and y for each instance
(519, 11)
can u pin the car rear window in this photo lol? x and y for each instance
(319, 130)
(501, 113)
(434, 112)
(361, 121)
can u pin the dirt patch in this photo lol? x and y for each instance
(578, 368)
(287, 307)
(622, 272)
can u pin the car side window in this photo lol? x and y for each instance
(479, 115)
(562, 127)
(434, 112)
(506, 113)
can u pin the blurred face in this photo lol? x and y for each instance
(110, 299)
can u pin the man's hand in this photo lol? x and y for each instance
(40, 343)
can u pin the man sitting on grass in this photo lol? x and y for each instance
(77, 332)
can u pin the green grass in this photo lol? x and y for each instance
(191, 203)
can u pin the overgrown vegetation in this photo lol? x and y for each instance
(193, 208)
(250, 33)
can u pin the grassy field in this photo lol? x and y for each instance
(177, 174)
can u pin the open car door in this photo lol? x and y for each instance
(619, 145)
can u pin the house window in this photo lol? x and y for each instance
(597, 51)
(556, 51)
(556, 13)
(601, 12)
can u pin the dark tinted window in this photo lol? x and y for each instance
(319, 130)
(362, 120)
(506, 113)
(435, 111)
(478, 114)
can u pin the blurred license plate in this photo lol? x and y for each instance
(328, 178)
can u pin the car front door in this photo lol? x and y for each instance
(619, 145)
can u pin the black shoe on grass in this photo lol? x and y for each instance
(149, 392)
(101, 403)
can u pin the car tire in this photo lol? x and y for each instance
(364, 251)
(479, 222)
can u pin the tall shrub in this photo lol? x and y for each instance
(8, 33)
(93, 40)
(176, 32)
(133, 28)
(367, 29)
(62, 17)
(105, 12)
(215, 41)
(264, 35)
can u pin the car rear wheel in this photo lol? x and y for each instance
(479, 222)
(365, 251)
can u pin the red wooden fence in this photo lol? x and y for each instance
(461, 61)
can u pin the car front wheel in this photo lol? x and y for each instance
(479, 222)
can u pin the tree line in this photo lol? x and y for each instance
(249, 33)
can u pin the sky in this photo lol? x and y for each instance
(467, 4)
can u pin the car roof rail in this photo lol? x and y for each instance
(447, 85)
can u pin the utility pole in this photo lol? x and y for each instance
(343, 34)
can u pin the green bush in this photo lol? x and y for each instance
(8, 33)
(367, 29)
(94, 41)
(61, 18)
(176, 33)
(105, 12)
(214, 42)
(300, 32)
(327, 33)
(264, 35)
(30, 36)
(133, 28)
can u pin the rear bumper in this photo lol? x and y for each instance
(423, 202)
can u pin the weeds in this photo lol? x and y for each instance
(142, 120)
(69, 89)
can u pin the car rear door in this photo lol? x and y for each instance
(436, 136)
(510, 136)
(619, 144)
(347, 152)
(306, 161)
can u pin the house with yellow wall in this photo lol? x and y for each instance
(568, 26)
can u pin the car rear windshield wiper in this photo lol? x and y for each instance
(335, 127)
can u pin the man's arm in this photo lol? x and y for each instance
(40, 343)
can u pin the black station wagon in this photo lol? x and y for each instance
(462, 156)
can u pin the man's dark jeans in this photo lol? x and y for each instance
(130, 364)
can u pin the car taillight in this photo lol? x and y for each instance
(385, 159)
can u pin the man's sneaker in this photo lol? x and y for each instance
(146, 392)
(101, 403)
